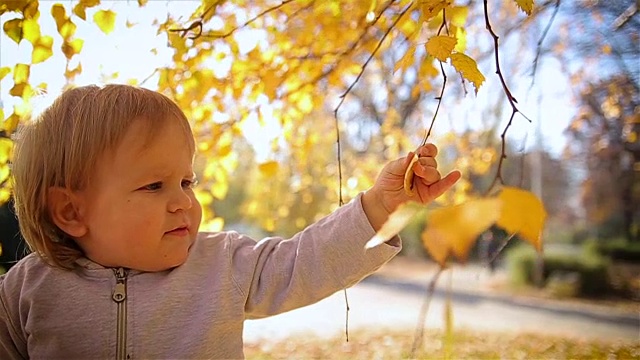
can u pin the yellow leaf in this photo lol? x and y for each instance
(305, 103)
(441, 47)
(4, 172)
(13, 29)
(461, 35)
(142, 3)
(70, 48)
(31, 30)
(204, 197)
(269, 168)
(70, 73)
(458, 15)
(522, 213)
(525, 5)
(397, 221)
(30, 11)
(219, 189)
(214, 225)
(6, 145)
(42, 49)
(21, 73)
(22, 90)
(431, 8)
(452, 230)
(4, 71)
(407, 60)
(106, 20)
(59, 15)
(408, 176)
(13, 5)
(81, 7)
(468, 68)
(5, 195)
(11, 123)
(80, 11)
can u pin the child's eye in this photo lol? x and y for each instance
(190, 183)
(153, 187)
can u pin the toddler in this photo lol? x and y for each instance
(104, 194)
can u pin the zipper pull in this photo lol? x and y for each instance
(120, 290)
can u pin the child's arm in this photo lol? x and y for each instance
(388, 192)
(8, 333)
(276, 275)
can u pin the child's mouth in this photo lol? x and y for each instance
(181, 231)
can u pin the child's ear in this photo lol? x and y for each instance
(64, 211)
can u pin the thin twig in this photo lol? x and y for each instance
(373, 53)
(444, 82)
(342, 54)
(510, 97)
(344, 95)
(197, 25)
(248, 22)
(419, 334)
(494, 256)
(347, 308)
(539, 45)
(341, 199)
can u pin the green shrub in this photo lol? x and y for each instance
(592, 269)
(618, 249)
(412, 238)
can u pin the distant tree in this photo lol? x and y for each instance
(605, 136)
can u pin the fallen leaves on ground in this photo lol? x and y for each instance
(396, 344)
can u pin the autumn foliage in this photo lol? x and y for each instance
(237, 65)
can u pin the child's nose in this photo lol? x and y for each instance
(180, 201)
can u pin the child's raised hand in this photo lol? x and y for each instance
(388, 192)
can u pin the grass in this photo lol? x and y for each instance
(465, 345)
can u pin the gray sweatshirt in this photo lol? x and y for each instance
(194, 311)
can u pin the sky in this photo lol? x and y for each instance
(126, 52)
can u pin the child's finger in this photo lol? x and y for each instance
(428, 150)
(427, 169)
(427, 161)
(428, 174)
(438, 188)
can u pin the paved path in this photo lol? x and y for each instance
(387, 302)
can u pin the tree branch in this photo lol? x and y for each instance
(539, 45)
(510, 97)
(344, 95)
(444, 82)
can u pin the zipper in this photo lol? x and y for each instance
(120, 297)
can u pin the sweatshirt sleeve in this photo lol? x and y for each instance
(9, 338)
(276, 275)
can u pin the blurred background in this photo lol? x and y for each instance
(261, 82)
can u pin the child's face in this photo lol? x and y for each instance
(139, 208)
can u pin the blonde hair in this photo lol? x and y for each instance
(61, 147)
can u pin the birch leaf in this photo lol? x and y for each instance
(397, 221)
(4, 71)
(452, 230)
(106, 20)
(13, 29)
(525, 5)
(409, 175)
(522, 213)
(468, 68)
(441, 46)
(269, 168)
(407, 60)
